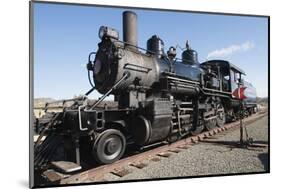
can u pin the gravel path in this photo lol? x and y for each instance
(215, 156)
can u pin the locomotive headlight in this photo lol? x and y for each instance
(108, 32)
(102, 31)
(97, 67)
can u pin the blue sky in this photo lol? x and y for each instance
(65, 34)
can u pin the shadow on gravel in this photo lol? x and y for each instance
(228, 144)
(264, 160)
(236, 144)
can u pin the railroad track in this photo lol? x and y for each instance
(119, 168)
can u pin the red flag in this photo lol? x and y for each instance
(239, 93)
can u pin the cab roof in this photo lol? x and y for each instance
(224, 65)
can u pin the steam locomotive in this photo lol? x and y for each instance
(160, 98)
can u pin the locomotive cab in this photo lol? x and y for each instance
(224, 78)
(222, 75)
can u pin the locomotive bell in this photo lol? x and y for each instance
(172, 53)
(189, 56)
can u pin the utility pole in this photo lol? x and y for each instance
(241, 123)
(239, 94)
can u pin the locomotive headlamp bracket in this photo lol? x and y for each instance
(90, 66)
(90, 62)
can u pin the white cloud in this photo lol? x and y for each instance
(246, 46)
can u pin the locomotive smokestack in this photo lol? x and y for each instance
(130, 33)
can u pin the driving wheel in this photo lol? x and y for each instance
(220, 115)
(210, 124)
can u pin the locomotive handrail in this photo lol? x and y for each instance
(127, 66)
(216, 94)
(137, 48)
(80, 118)
(204, 88)
(50, 124)
(88, 68)
(125, 76)
(90, 54)
(66, 100)
(179, 79)
(63, 102)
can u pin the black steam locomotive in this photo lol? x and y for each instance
(160, 98)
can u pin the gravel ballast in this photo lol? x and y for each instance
(219, 155)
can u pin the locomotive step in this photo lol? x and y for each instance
(66, 166)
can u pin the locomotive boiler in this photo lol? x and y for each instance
(160, 98)
(115, 58)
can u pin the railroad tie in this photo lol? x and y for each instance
(164, 154)
(155, 159)
(52, 175)
(201, 137)
(184, 147)
(120, 172)
(138, 165)
(175, 150)
(194, 140)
